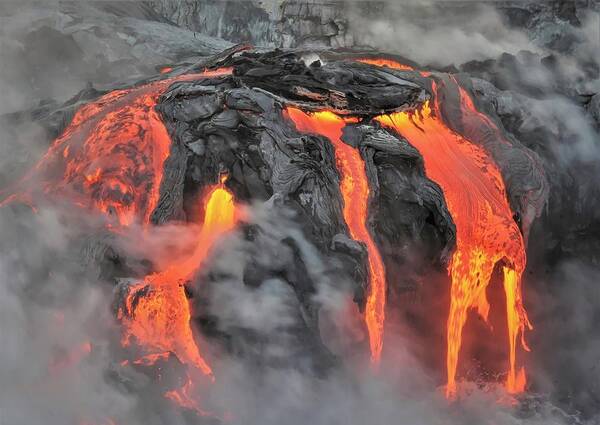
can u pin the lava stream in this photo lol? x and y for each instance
(486, 232)
(390, 63)
(355, 193)
(111, 156)
(156, 314)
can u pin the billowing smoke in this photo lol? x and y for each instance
(276, 382)
(437, 33)
(59, 335)
(568, 306)
(56, 327)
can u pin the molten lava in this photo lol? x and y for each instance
(156, 315)
(516, 318)
(486, 232)
(111, 156)
(390, 63)
(355, 193)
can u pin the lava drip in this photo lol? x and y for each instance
(110, 157)
(156, 313)
(517, 318)
(355, 193)
(486, 232)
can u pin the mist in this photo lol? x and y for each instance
(431, 34)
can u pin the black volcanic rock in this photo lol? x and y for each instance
(244, 133)
(343, 87)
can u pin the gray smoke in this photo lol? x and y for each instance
(262, 387)
(55, 327)
(433, 32)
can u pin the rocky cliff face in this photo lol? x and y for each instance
(269, 24)
(338, 23)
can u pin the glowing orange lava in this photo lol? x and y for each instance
(156, 315)
(390, 63)
(111, 156)
(486, 232)
(517, 320)
(355, 193)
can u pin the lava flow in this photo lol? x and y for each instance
(156, 314)
(111, 156)
(355, 193)
(486, 232)
(390, 63)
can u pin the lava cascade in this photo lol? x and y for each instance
(517, 319)
(156, 314)
(486, 232)
(355, 193)
(111, 156)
